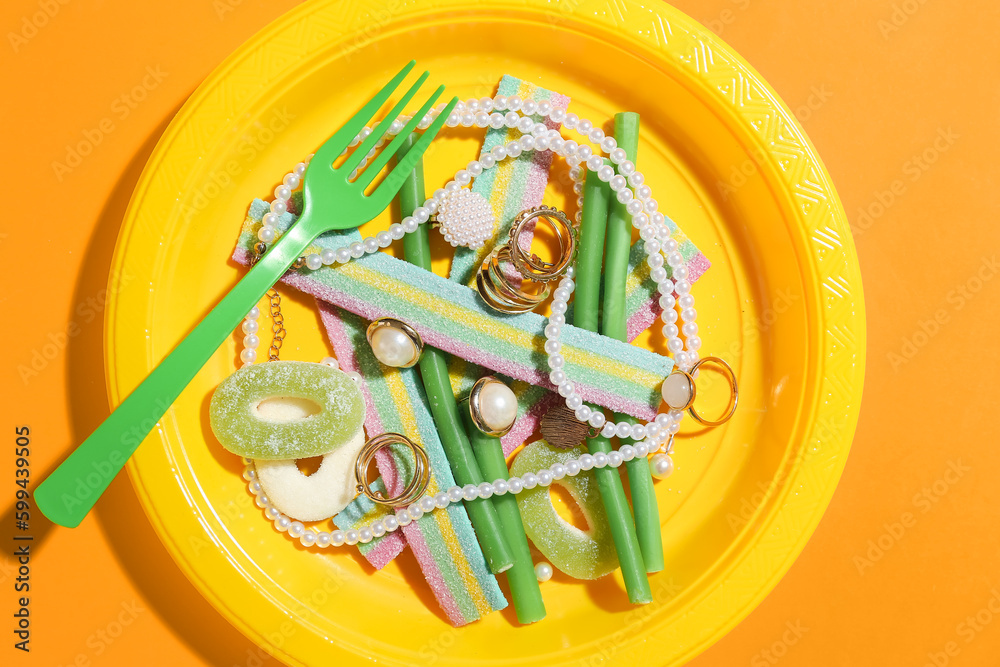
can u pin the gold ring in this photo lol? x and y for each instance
(532, 267)
(733, 387)
(421, 475)
(496, 287)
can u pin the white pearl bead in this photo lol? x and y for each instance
(497, 405)
(661, 466)
(529, 480)
(610, 430)
(393, 347)
(248, 356)
(485, 490)
(543, 571)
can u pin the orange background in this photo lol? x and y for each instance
(900, 99)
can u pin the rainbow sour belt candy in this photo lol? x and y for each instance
(512, 186)
(453, 318)
(444, 542)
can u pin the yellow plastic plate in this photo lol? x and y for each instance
(727, 161)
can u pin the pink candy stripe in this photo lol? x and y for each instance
(388, 547)
(432, 573)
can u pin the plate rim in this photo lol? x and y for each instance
(704, 45)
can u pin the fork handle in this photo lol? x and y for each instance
(67, 495)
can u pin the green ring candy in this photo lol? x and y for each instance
(243, 431)
(581, 554)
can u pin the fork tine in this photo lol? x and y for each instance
(333, 146)
(354, 159)
(395, 178)
(365, 179)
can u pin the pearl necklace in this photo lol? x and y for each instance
(630, 189)
(427, 504)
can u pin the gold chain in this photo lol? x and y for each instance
(277, 325)
(277, 319)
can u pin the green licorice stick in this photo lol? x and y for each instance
(437, 386)
(619, 239)
(524, 588)
(596, 195)
(613, 324)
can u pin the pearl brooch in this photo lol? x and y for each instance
(465, 218)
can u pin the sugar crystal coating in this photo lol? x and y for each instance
(244, 430)
(588, 554)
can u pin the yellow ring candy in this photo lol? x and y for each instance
(245, 429)
(582, 554)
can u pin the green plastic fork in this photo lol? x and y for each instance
(331, 202)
